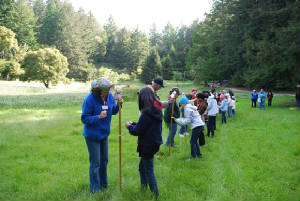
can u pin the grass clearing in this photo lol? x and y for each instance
(43, 155)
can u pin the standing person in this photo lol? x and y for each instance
(223, 108)
(148, 129)
(201, 105)
(231, 93)
(192, 96)
(230, 105)
(192, 117)
(168, 114)
(157, 84)
(202, 109)
(183, 128)
(212, 110)
(262, 99)
(270, 97)
(97, 109)
(222, 96)
(254, 97)
(233, 103)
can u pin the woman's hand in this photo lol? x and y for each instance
(103, 114)
(120, 100)
(128, 123)
(174, 119)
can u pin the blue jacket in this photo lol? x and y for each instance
(254, 96)
(223, 106)
(95, 128)
(262, 96)
(148, 128)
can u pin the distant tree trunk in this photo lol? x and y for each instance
(46, 83)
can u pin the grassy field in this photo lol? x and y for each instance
(43, 155)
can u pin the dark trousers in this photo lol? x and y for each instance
(211, 125)
(195, 147)
(253, 102)
(98, 156)
(269, 102)
(147, 175)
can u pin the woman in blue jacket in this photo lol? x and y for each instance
(148, 129)
(97, 109)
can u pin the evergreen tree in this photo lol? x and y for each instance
(138, 50)
(8, 13)
(152, 67)
(167, 72)
(25, 25)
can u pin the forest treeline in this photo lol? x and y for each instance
(250, 43)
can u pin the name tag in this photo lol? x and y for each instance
(104, 107)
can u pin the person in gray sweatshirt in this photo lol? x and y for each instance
(193, 118)
(212, 110)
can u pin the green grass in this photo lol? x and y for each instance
(43, 155)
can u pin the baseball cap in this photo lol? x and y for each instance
(159, 81)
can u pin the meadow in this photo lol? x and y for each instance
(43, 155)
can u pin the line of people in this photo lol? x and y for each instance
(196, 108)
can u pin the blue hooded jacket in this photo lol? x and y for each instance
(254, 96)
(95, 128)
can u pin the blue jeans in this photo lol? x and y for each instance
(98, 156)
(262, 105)
(183, 128)
(229, 111)
(195, 148)
(223, 116)
(174, 130)
(233, 111)
(147, 176)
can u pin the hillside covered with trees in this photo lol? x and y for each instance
(249, 43)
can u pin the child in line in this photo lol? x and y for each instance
(168, 114)
(233, 103)
(193, 118)
(223, 109)
(148, 129)
(212, 110)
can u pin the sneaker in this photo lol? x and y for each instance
(181, 135)
(189, 159)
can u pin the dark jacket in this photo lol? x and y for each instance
(148, 129)
(168, 112)
(95, 128)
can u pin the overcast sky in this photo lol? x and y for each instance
(143, 13)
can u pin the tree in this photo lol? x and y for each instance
(139, 48)
(46, 65)
(8, 44)
(120, 50)
(10, 69)
(25, 25)
(167, 72)
(152, 67)
(8, 13)
(111, 31)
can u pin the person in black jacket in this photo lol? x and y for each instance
(168, 113)
(148, 129)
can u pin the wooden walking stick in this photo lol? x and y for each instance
(117, 97)
(120, 144)
(171, 124)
